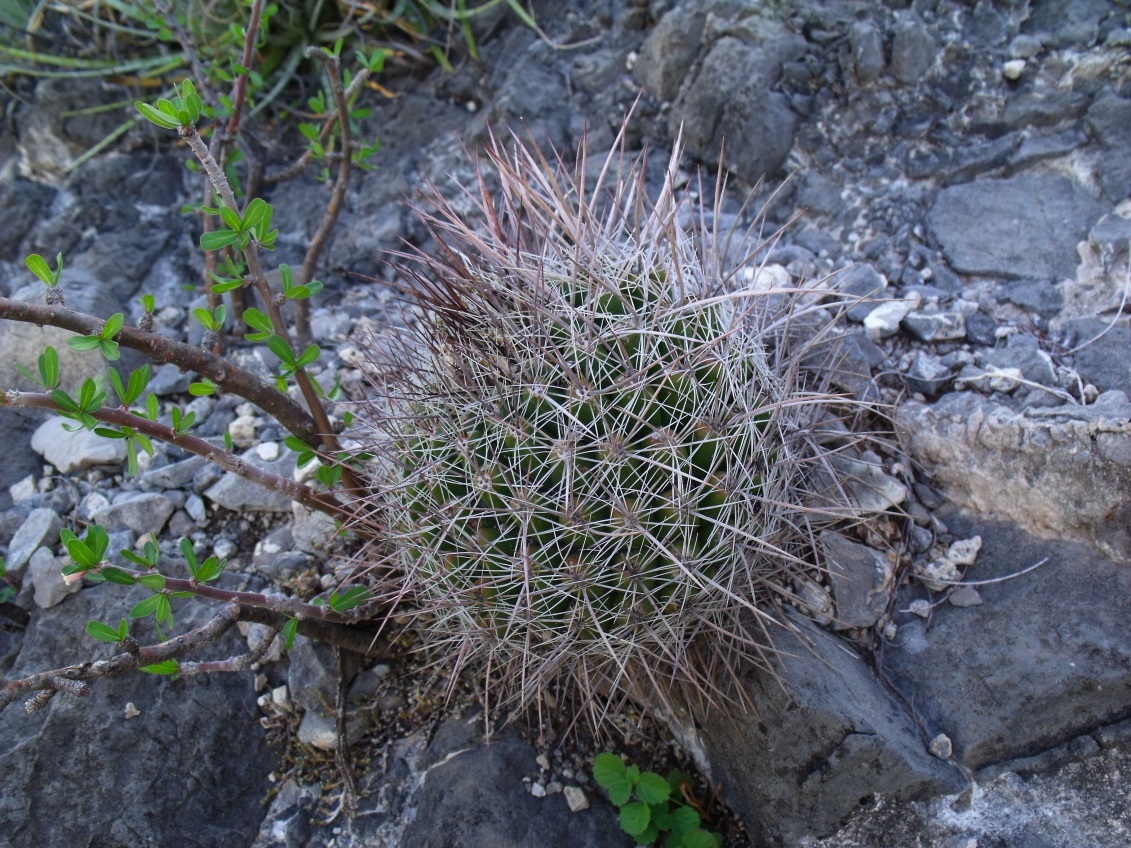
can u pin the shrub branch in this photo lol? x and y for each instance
(226, 376)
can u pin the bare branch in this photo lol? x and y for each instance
(73, 678)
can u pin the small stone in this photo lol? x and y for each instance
(941, 747)
(41, 528)
(1013, 69)
(554, 787)
(920, 608)
(965, 596)
(194, 506)
(537, 790)
(891, 630)
(24, 490)
(268, 451)
(935, 326)
(224, 549)
(319, 731)
(884, 320)
(238, 494)
(75, 451)
(312, 532)
(242, 429)
(147, 512)
(543, 762)
(928, 374)
(576, 799)
(47, 577)
(281, 699)
(131, 711)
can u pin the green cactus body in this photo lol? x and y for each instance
(592, 465)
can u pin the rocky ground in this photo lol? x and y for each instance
(967, 165)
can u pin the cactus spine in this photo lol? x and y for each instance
(595, 453)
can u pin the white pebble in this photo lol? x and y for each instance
(1013, 69)
(576, 799)
(268, 451)
(537, 790)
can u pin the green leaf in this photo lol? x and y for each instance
(38, 266)
(112, 326)
(164, 609)
(349, 599)
(116, 384)
(635, 817)
(223, 286)
(102, 632)
(279, 347)
(699, 839)
(607, 768)
(308, 356)
(203, 388)
(148, 303)
(144, 608)
(156, 582)
(139, 380)
(110, 350)
(289, 631)
(210, 569)
(652, 789)
(152, 406)
(116, 575)
(683, 819)
(218, 239)
(232, 218)
(166, 667)
(85, 342)
(157, 117)
(188, 553)
(258, 214)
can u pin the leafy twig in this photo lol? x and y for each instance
(226, 376)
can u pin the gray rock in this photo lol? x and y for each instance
(1065, 22)
(476, 799)
(869, 488)
(168, 380)
(1107, 121)
(1024, 354)
(176, 475)
(913, 50)
(988, 25)
(313, 532)
(46, 575)
(1104, 362)
(861, 578)
(1037, 148)
(730, 100)
(1050, 657)
(20, 461)
(145, 513)
(1011, 810)
(861, 281)
(313, 675)
(866, 48)
(848, 360)
(40, 529)
(1060, 473)
(75, 451)
(237, 493)
(928, 375)
(22, 202)
(65, 770)
(825, 736)
(668, 51)
(981, 329)
(935, 326)
(1017, 236)
(1039, 297)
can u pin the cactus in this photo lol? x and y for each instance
(594, 442)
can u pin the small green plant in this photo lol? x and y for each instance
(660, 812)
(7, 590)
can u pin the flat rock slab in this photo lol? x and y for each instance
(805, 761)
(1021, 227)
(1042, 660)
(75, 451)
(477, 799)
(238, 493)
(193, 763)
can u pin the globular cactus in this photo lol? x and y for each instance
(593, 440)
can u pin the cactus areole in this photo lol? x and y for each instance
(595, 452)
